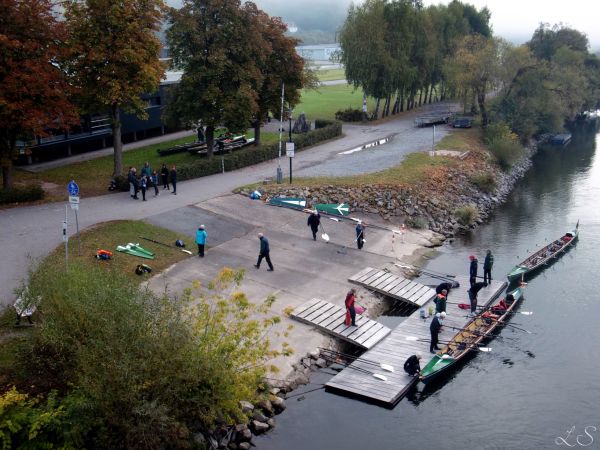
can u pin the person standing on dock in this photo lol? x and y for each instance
(443, 286)
(412, 365)
(314, 220)
(350, 310)
(264, 253)
(487, 267)
(360, 235)
(473, 270)
(475, 288)
(440, 301)
(434, 328)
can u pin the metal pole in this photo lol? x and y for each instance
(290, 117)
(66, 239)
(279, 173)
(78, 235)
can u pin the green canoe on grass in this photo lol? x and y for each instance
(136, 250)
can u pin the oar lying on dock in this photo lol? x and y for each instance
(472, 346)
(384, 366)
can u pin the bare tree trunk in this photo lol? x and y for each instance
(210, 140)
(7, 180)
(431, 93)
(384, 106)
(426, 94)
(117, 144)
(388, 102)
(257, 123)
(396, 108)
(376, 111)
(420, 97)
(481, 102)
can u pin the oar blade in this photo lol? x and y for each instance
(380, 377)
(387, 367)
(526, 313)
(412, 338)
(325, 237)
(485, 349)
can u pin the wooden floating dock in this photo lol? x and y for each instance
(362, 378)
(329, 318)
(393, 286)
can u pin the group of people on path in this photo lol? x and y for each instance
(151, 178)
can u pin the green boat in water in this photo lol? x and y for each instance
(543, 256)
(467, 340)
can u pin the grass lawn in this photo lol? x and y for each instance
(331, 74)
(106, 236)
(326, 100)
(92, 176)
(461, 139)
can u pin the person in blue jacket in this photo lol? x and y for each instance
(201, 236)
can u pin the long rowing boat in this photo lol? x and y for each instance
(468, 339)
(543, 255)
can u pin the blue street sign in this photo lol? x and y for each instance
(73, 189)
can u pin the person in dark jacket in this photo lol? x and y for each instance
(264, 253)
(360, 235)
(314, 220)
(475, 288)
(440, 301)
(164, 174)
(473, 270)
(143, 186)
(350, 310)
(154, 181)
(173, 178)
(434, 329)
(443, 286)
(412, 365)
(488, 263)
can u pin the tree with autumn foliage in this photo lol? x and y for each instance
(116, 57)
(282, 65)
(221, 55)
(33, 89)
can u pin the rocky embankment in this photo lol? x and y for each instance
(431, 203)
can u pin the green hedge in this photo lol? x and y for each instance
(20, 194)
(253, 155)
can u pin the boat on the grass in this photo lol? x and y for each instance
(543, 255)
(467, 340)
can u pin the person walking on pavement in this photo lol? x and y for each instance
(154, 180)
(164, 174)
(488, 263)
(434, 328)
(473, 270)
(360, 235)
(264, 253)
(201, 236)
(173, 178)
(475, 288)
(143, 186)
(350, 310)
(440, 301)
(314, 220)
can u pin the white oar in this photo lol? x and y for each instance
(482, 349)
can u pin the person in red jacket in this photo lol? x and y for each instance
(350, 311)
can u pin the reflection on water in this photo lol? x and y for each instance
(532, 387)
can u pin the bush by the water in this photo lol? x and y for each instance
(467, 214)
(504, 144)
(254, 155)
(18, 194)
(416, 222)
(350, 115)
(484, 181)
(131, 369)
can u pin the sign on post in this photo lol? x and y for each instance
(73, 189)
(74, 202)
(289, 149)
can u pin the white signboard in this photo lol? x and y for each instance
(289, 149)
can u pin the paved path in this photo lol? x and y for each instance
(32, 232)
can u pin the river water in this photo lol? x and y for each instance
(538, 390)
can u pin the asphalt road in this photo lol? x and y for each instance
(30, 233)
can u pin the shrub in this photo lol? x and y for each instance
(17, 194)
(254, 155)
(417, 222)
(467, 214)
(504, 144)
(484, 181)
(350, 115)
(147, 371)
